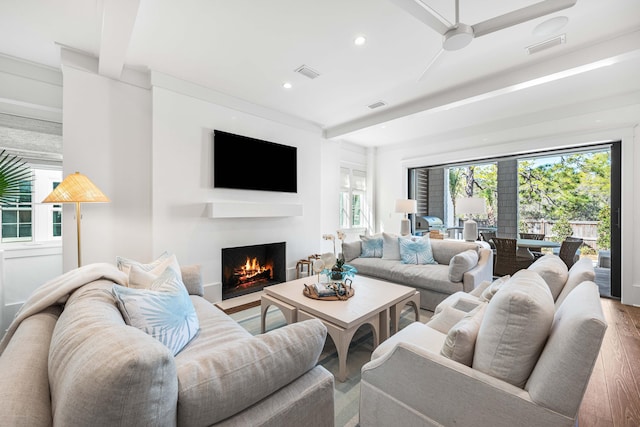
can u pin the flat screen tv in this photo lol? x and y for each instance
(244, 163)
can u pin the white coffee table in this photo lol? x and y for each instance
(376, 302)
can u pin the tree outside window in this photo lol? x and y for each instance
(353, 206)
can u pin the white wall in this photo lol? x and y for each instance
(611, 124)
(182, 185)
(107, 137)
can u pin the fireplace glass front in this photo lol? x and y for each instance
(247, 269)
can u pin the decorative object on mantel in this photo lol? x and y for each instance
(76, 188)
(406, 206)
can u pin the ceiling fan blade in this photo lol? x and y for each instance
(430, 64)
(424, 14)
(519, 16)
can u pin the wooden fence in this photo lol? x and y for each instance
(586, 230)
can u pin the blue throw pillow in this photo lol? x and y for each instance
(164, 311)
(371, 247)
(416, 251)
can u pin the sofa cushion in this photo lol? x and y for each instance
(216, 382)
(101, 370)
(581, 271)
(164, 311)
(444, 250)
(461, 338)
(351, 250)
(416, 333)
(461, 263)
(514, 329)
(156, 266)
(416, 251)
(371, 246)
(554, 272)
(390, 246)
(445, 319)
(192, 279)
(491, 290)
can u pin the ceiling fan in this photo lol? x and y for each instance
(458, 35)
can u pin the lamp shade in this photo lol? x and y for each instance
(470, 205)
(76, 188)
(406, 206)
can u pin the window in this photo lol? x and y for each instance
(353, 206)
(16, 217)
(39, 144)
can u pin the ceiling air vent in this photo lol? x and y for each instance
(377, 104)
(307, 72)
(556, 41)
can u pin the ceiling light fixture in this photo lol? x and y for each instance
(550, 26)
(287, 85)
(360, 40)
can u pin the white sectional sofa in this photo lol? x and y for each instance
(524, 357)
(459, 266)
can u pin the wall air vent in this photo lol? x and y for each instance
(307, 72)
(377, 104)
(556, 41)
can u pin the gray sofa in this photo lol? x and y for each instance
(69, 359)
(524, 357)
(433, 281)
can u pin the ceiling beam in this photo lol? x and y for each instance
(609, 52)
(118, 19)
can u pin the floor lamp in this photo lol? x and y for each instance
(469, 206)
(406, 206)
(76, 188)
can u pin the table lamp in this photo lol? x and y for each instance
(76, 188)
(406, 206)
(469, 206)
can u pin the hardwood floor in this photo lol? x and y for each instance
(613, 395)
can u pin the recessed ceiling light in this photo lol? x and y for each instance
(360, 40)
(287, 85)
(550, 26)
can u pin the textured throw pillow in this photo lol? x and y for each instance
(192, 279)
(390, 246)
(478, 290)
(371, 247)
(445, 319)
(554, 272)
(416, 250)
(461, 263)
(156, 267)
(164, 311)
(515, 328)
(461, 338)
(491, 290)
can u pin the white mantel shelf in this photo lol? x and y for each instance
(253, 209)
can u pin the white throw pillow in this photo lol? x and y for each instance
(461, 263)
(445, 319)
(554, 272)
(491, 290)
(156, 266)
(390, 246)
(461, 338)
(164, 311)
(515, 328)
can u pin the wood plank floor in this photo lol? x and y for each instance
(613, 395)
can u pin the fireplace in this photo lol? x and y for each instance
(247, 269)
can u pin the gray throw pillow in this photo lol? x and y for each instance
(351, 250)
(390, 246)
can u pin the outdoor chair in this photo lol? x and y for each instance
(507, 261)
(569, 250)
(486, 236)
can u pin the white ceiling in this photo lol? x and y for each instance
(249, 48)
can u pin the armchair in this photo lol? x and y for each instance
(409, 382)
